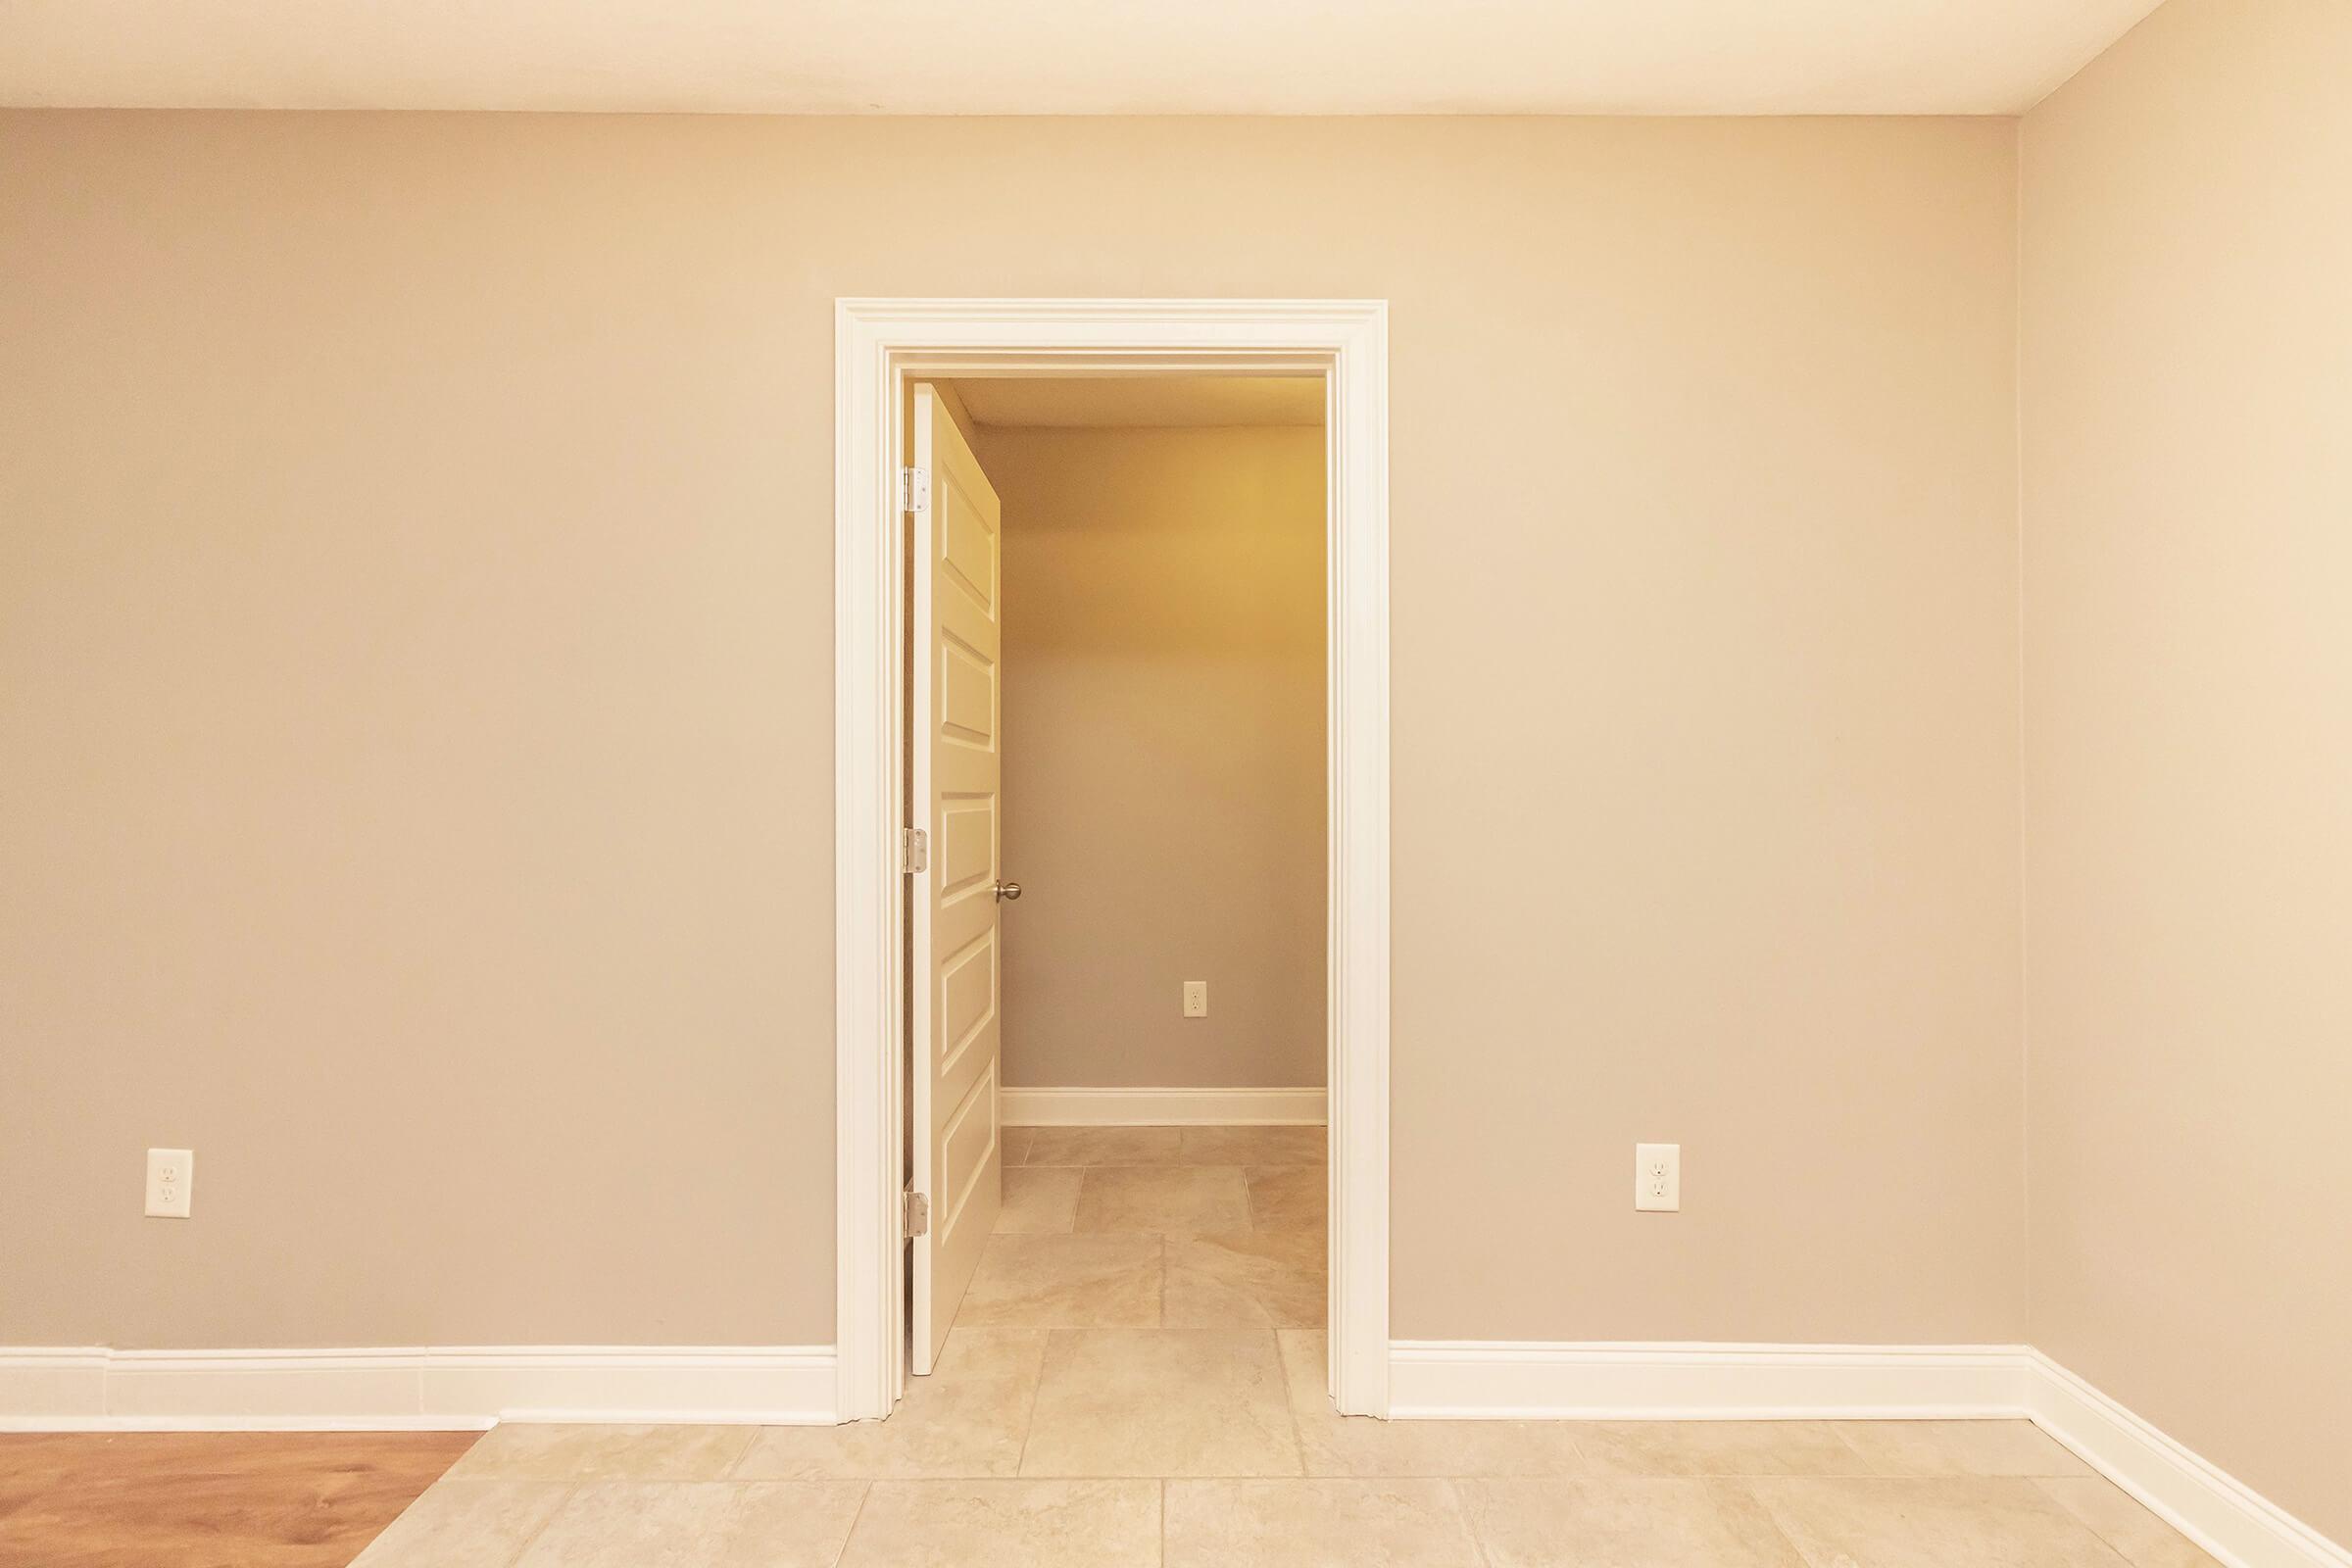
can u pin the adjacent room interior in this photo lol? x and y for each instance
(1162, 1019)
(1610, 832)
(1114, 682)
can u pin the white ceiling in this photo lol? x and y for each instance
(928, 57)
(1106, 401)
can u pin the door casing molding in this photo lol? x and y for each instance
(878, 345)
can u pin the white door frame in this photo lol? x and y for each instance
(878, 345)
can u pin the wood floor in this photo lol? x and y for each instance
(310, 1499)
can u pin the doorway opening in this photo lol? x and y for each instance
(1117, 665)
(1080, 404)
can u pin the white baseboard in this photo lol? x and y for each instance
(91, 1389)
(2220, 1513)
(1162, 1108)
(437, 1389)
(1490, 1379)
(1470, 1380)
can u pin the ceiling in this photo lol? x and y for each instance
(1129, 401)
(930, 57)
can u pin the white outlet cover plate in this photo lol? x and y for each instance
(171, 1182)
(1658, 1177)
(1196, 998)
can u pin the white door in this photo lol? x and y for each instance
(957, 747)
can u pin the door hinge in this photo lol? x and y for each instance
(914, 850)
(918, 1215)
(915, 489)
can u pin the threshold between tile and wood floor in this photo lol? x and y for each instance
(208, 1500)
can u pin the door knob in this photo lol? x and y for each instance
(1009, 890)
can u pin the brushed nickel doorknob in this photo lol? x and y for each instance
(1009, 890)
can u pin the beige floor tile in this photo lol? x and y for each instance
(1104, 1145)
(1166, 1199)
(703, 1524)
(1254, 1279)
(551, 1452)
(1161, 1402)
(1333, 1445)
(1008, 1524)
(1016, 1142)
(1959, 1448)
(1254, 1146)
(458, 1523)
(2134, 1533)
(1717, 1448)
(1653, 1521)
(1039, 1199)
(1064, 1282)
(1289, 1196)
(1931, 1522)
(967, 1418)
(1316, 1524)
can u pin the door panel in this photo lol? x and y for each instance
(967, 999)
(967, 848)
(968, 696)
(968, 1156)
(956, 770)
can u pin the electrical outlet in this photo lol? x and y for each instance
(171, 1182)
(1196, 998)
(1658, 1176)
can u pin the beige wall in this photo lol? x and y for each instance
(1163, 762)
(415, 694)
(2186, 394)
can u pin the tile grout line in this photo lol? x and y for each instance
(1297, 1440)
(1772, 1520)
(1796, 1549)
(1845, 1443)
(1289, 1405)
(1037, 1391)
(735, 1468)
(2041, 1483)
(1478, 1536)
(856, 1516)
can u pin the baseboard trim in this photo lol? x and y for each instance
(1505, 1380)
(1162, 1108)
(2222, 1515)
(432, 1389)
(1499, 1380)
(93, 1389)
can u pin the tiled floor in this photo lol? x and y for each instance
(1156, 1228)
(1137, 1378)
